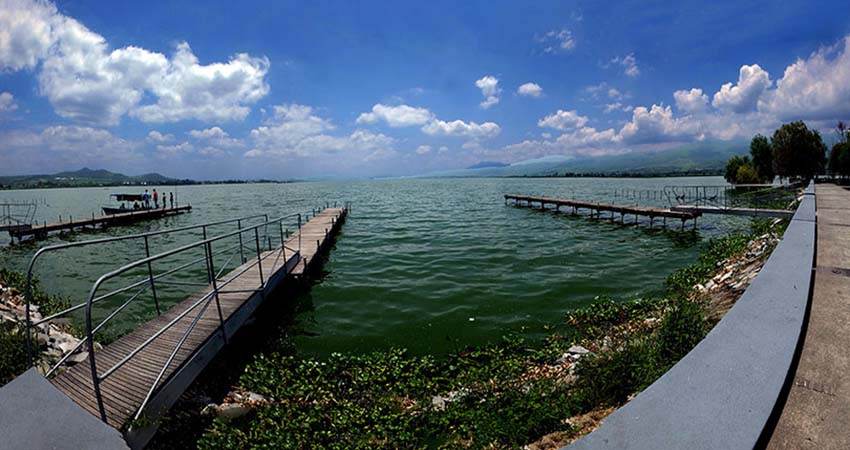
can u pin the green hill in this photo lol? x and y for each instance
(85, 177)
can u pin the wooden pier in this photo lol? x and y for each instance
(734, 211)
(42, 231)
(595, 209)
(195, 337)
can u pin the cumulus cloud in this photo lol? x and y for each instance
(463, 129)
(216, 137)
(396, 116)
(7, 102)
(817, 88)
(86, 81)
(693, 101)
(628, 63)
(423, 149)
(490, 89)
(296, 131)
(156, 136)
(557, 41)
(753, 81)
(530, 90)
(563, 120)
(62, 146)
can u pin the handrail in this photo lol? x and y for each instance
(207, 298)
(56, 247)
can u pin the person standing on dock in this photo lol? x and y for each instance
(146, 198)
(171, 199)
(155, 199)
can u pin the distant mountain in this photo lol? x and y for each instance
(485, 164)
(695, 158)
(86, 177)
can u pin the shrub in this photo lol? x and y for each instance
(13, 354)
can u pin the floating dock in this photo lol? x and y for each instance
(595, 209)
(42, 231)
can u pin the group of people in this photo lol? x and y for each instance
(147, 199)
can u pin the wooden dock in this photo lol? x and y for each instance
(595, 209)
(752, 212)
(127, 387)
(42, 231)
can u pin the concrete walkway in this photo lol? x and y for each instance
(817, 412)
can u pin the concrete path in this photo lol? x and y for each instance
(817, 412)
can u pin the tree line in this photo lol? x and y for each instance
(793, 152)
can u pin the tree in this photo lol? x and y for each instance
(732, 167)
(797, 151)
(747, 174)
(762, 156)
(839, 160)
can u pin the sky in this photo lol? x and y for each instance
(283, 90)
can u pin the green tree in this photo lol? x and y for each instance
(839, 160)
(732, 166)
(747, 174)
(762, 156)
(797, 151)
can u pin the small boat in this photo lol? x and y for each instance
(136, 199)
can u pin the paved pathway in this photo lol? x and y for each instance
(817, 412)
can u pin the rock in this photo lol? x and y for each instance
(77, 358)
(226, 410)
(438, 402)
(564, 359)
(578, 350)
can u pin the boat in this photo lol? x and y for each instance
(135, 199)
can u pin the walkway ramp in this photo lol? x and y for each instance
(41, 231)
(181, 341)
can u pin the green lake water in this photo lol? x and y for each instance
(426, 264)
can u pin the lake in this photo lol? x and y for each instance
(426, 264)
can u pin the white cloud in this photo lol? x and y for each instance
(156, 136)
(183, 147)
(490, 89)
(423, 149)
(26, 33)
(753, 81)
(563, 120)
(396, 116)
(295, 131)
(460, 128)
(87, 81)
(530, 90)
(693, 101)
(816, 88)
(215, 136)
(214, 92)
(657, 124)
(64, 146)
(557, 41)
(628, 63)
(7, 102)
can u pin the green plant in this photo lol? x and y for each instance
(13, 354)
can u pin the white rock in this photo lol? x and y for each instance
(232, 410)
(577, 350)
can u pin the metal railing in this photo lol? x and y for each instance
(215, 287)
(149, 282)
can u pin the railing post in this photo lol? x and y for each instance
(259, 258)
(299, 235)
(241, 250)
(282, 244)
(150, 277)
(92, 365)
(211, 274)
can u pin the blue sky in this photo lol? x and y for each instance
(314, 89)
